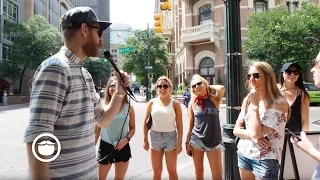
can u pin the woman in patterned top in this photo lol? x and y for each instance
(261, 125)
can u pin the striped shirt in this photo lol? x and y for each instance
(64, 103)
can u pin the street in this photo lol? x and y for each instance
(13, 152)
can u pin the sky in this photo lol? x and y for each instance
(136, 13)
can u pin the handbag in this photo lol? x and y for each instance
(149, 122)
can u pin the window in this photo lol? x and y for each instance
(54, 12)
(6, 52)
(206, 67)
(292, 5)
(205, 14)
(260, 5)
(10, 10)
(7, 37)
(40, 7)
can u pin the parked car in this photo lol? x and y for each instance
(313, 91)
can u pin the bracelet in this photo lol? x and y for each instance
(120, 95)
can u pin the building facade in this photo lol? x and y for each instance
(194, 30)
(102, 9)
(114, 50)
(119, 33)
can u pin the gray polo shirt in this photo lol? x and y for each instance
(64, 103)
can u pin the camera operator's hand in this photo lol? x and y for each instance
(122, 82)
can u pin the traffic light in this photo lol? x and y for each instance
(166, 5)
(159, 23)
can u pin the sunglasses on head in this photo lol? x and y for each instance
(163, 86)
(99, 32)
(254, 75)
(197, 84)
(289, 72)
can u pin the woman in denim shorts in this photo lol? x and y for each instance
(261, 125)
(204, 133)
(166, 130)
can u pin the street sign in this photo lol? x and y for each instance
(148, 67)
(125, 50)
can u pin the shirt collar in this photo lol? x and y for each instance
(71, 56)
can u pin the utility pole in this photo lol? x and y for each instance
(148, 64)
(234, 80)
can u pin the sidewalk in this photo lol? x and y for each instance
(14, 106)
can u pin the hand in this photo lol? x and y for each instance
(178, 148)
(122, 80)
(254, 96)
(189, 149)
(262, 142)
(122, 143)
(304, 144)
(146, 145)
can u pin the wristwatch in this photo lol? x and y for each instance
(120, 95)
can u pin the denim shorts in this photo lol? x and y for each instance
(267, 169)
(166, 141)
(196, 142)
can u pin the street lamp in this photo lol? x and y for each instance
(233, 86)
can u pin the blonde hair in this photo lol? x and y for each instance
(107, 95)
(273, 92)
(193, 94)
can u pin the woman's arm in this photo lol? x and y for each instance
(145, 127)
(191, 123)
(179, 123)
(305, 105)
(239, 130)
(220, 91)
(97, 131)
(132, 122)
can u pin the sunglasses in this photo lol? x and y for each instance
(197, 84)
(289, 72)
(112, 86)
(254, 75)
(316, 63)
(99, 32)
(163, 86)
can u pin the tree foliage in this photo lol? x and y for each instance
(98, 68)
(136, 61)
(34, 41)
(278, 36)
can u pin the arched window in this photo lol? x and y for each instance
(260, 5)
(205, 14)
(206, 67)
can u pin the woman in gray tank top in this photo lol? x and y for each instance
(204, 133)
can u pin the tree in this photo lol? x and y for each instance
(98, 68)
(278, 36)
(34, 41)
(136, 61)
(9, 70)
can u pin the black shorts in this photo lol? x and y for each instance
(105, 148)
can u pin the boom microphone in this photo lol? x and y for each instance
(108, 56)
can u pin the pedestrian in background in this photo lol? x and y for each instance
(204, 133)
(114, 144)
(261, 125)
(293, 90)
(166, 130)
(187, 96)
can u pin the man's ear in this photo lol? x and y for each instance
(84, 30)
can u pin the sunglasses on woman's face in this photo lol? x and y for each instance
(197, 84)
(289, 72)
(254, 75)
(112, 86)
(163, 86)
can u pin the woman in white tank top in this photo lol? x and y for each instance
(166, 130)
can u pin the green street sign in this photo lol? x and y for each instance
(125, 50)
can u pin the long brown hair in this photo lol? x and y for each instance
(107, 95)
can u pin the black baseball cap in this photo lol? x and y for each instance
(78, 15)
(287, 65)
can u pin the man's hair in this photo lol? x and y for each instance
(68, 32)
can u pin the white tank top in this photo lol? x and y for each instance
(163, 118)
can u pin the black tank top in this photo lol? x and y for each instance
(294, 124)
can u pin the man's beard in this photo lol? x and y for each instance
(91, 49)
